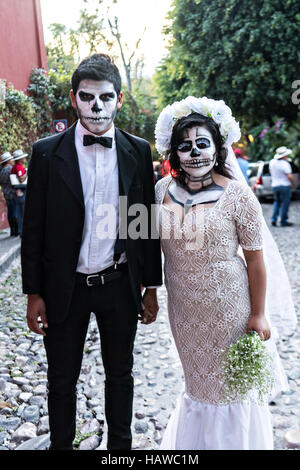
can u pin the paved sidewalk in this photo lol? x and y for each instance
(9, 249)
(157, 371)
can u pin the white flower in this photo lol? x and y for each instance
(193, 102)
(197, 105)
(180, 109)
(163, 130)
(215, 109)
(204, 106)
(220, 112)
(230, 129)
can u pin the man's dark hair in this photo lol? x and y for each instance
(97, 67)
(187, 122)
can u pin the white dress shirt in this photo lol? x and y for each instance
(100, 184)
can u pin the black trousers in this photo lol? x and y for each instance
(116, 315)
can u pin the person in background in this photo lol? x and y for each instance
(6, 163)
(19, 169)
(243, 162)
(282, 181)
(158, 172)
(165, 167)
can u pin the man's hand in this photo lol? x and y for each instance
(36, 314)
(150, 307)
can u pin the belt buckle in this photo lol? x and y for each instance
(88, 279)
(94, 275)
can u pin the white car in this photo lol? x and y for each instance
(260, 179)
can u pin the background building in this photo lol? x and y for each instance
(22, 45)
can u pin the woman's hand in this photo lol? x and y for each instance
(259, 324)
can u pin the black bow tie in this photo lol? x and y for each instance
(91, 139)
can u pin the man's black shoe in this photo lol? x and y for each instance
(274, 224)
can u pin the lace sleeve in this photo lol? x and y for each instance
(160, 189)
(248, 219)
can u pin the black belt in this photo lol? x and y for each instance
(103, 277)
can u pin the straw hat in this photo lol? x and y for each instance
(17, 154)
(5, 157)
(282, 152)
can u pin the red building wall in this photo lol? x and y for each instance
(22, 47)
(22, 44)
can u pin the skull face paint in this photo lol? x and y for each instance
(197, 152)
(97, 104)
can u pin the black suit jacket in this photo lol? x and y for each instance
(54, 219)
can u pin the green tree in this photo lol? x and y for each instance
(91, 28)
(247, 53)
(62, 51)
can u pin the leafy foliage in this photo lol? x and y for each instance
(243, 52)
(59, 92)
(58, 56)
(91, 27)
(18, 126)
(38, 92)
(138, 114)
(50, 95)
(267, 138)
(26, 118)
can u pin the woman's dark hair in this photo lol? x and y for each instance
(187, 122)
(97, 67)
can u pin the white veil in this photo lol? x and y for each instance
(279, 304)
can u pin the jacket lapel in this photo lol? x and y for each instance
(127, 164)
(68, 165)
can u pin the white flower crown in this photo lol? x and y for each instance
(215, 109)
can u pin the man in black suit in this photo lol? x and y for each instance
(70, 269)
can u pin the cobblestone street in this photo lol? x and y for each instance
(157, 372)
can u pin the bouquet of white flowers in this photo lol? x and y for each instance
(248, 368)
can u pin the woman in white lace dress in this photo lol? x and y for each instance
(214, 295)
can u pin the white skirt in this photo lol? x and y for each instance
(202, 426)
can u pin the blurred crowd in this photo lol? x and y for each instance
(13, 179)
